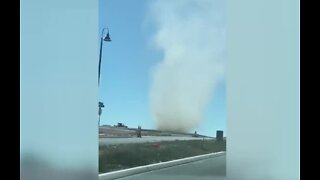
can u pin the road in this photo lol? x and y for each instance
(109, 141)
(208, 169)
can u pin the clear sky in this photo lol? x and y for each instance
(126, 66)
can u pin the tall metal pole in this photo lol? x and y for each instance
(99, 121)
(100, 112)
(100, 55)
(100, 60)
(107, 38)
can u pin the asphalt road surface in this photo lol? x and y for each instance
(109, 141)
(208, 169)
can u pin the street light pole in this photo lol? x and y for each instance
(101, 42)
(108, 39)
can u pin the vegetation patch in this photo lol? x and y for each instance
(123, 156)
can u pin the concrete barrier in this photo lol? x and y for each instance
(151, 167)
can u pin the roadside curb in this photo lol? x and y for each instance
(151, 167)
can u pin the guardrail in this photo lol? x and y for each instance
(151, 167)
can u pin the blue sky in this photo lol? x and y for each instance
(126, 66)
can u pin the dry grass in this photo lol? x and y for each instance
(116, 157)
